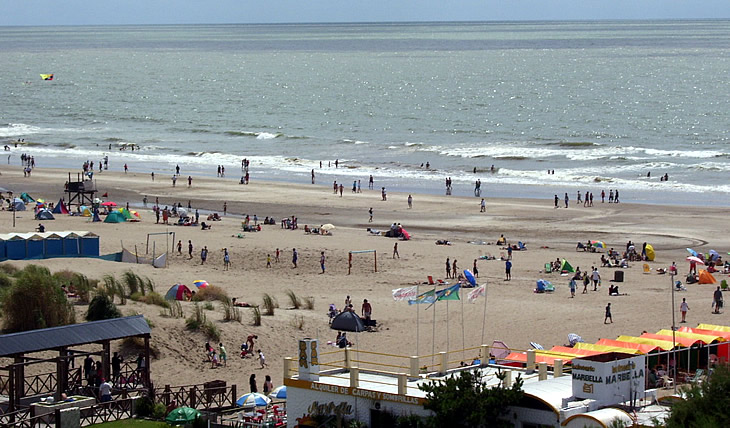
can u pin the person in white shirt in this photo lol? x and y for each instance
(684, 307)
(105, 391)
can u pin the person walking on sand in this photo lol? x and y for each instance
(321, 261)
(684, 307)
(608, 314)
(474, 269)
(174, 180)
(203, 255)
(312, 176)
(342, 189)
(370, 211)
(395, 251)
(717, 300)
(225, 207)
(483, 206)
(448, 268)
(567, 199)
(179, 247)
(572, 288)
(190, 180)
(384, 194)
(508, 270)
(252, 383)
(226, 259)
(410, 201)
(454, 269)
(294, 257)
(262, 359)
(223, 354)
(190, 248)
(277, 255)
(596, 278)
(367, 310)
(268, 261)
(556, 201)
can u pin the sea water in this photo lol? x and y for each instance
(601, 103)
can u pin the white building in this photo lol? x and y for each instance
(599, 390)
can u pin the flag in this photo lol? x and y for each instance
(475, 293)
(405, 293)
(450, 293)
(427, 297)
(47, 76)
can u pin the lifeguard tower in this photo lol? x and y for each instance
(80, 192)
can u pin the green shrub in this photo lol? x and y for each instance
(269, 304)
(230, 312)
(137, 284)
(208, 306)
(36, 301)
(159, 411)
(197, 319)
(211, 331)
(175, 310)
(9, 268)
(152, 298)
(101, 308)
(293, 299)
(83, 286)
(211, 293)
(144, 407)
(5, 280)
(256, 316)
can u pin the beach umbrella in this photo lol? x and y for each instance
(470, 277)
(328, 226)
(348, 321)
(279, 392)
(695, 259)
(253, 399)
(537, 346)
(182, 416)
(598, 244)
(108, 204)
(574, 338)
(714, 255)
(200, 283)
(691, 251)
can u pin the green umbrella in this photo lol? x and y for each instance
(182, 415)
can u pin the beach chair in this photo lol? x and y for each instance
(667, 382)
(430, 280)
(548, 267)
(698, 377)
(647, 269)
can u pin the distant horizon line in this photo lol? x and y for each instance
(378, 22)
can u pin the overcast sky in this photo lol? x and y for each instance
(100, 12)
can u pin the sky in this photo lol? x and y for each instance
(100, 12)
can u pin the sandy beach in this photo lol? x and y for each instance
(515, 314)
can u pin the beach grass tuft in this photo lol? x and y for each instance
(298, 322)
(256, 316)
(309, 303)
(296, 303)
(269, 304)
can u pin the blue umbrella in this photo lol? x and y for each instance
(253, 399)
(714, 255)
(470, 277)
(278, 392)
(691, 251)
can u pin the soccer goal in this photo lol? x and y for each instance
(349, 259)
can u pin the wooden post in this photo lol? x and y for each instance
(348, 359)
(485, 356)
(191, 396)
(233, 395)
(376, 260)
(415, 370)
(542, 371)
(530, 361)
(105, 360)
(443, 362)
(558, 368)
(507, 378)
(354, 377)
(61, 372)
(349, 262)
(19, 374)
(402, 384)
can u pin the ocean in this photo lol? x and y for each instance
(601, 103)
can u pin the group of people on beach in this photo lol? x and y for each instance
(587, 200)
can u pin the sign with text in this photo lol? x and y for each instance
(609, 378)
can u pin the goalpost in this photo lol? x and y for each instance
(349, 259)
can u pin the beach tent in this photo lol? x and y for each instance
(650, 252)
(115, 217)
(26, 198)
(348, 321)
(60, 207)
(129, 215)
(605, 348)
(18, 204)
(85, 211)
(566, 267)
(44, 214)
(89, 244)
(177, 292)
(706, 277)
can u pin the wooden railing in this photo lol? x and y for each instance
(44, 383)
(107, 412)
(197, 396)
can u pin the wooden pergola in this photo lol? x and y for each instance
(67, 378)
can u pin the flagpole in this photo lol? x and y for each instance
(463, 340)
(447, 330)
(418, 324)
(433, 336)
